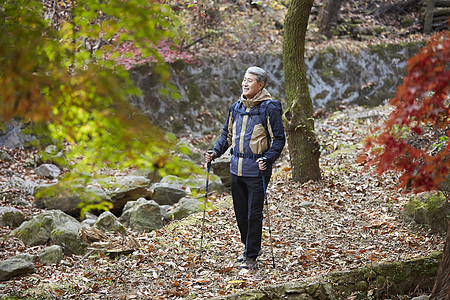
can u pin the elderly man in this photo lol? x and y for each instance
(254, 130)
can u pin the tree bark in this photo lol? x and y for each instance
(302, 143)
(428, 16)
(328, 16)
(441, 289)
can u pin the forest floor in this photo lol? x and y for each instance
(349, 219)
(227, 28)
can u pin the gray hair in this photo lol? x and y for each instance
(261, 75)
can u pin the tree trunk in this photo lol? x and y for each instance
(328, 16)
(302, 143)
(441, 289)
(428, 16)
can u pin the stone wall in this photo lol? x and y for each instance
(366, 76)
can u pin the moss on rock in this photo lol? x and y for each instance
(382, 280)
(431, 209)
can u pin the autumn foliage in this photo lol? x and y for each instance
(421, 106)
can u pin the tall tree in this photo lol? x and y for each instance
(302, 143)
(441, 288)
(329, 15)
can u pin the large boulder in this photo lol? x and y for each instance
(69, 197)
(109, 222)
(128, 188)
(55, 227)
(143, 215)
(184, 208)
(432, 209)
(14, 137)
(172, 188)
(167, 193)
(196, 183)
(15, 266)
(10, 216)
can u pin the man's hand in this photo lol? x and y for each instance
(209, 156)
(262, 162)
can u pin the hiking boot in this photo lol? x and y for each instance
(248, 263)
(241, 257)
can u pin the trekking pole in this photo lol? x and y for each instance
(204, 210)
(268, 218)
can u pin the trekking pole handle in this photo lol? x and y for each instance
(262, 161)
(212, 154)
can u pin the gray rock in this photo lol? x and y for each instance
(142, 215)
(217, 185)
(68, 197)
(51, 255)
(35, 231)
(184, 208)
(25, 256)
(5, 156)
(109, 222)
(430, 208)
(197, 83)
(52, 226)
(10, 216)
(26, 186)
(197, 184)
(422, 297)
(14, 267)
(221, 167)
(89, 220)
(88, 223)
(152, 175)
(172, 179)
(164, 211)
(166, 193)
(14, 137)
(128, 188)
(47, 170)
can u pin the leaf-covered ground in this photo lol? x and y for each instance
(227, 28)
(347, 220)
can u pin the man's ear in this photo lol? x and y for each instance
(261, 85)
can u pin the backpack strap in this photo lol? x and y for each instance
(236, 108)
(263, 116)
(262, 112)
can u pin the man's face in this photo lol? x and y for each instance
(250, 86)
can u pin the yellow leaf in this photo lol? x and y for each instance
(236, 281)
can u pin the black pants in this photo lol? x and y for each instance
(248, 201)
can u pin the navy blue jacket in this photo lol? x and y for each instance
(249, 139)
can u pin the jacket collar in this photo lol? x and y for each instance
(263, 95)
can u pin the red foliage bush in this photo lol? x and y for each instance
(422, 101)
